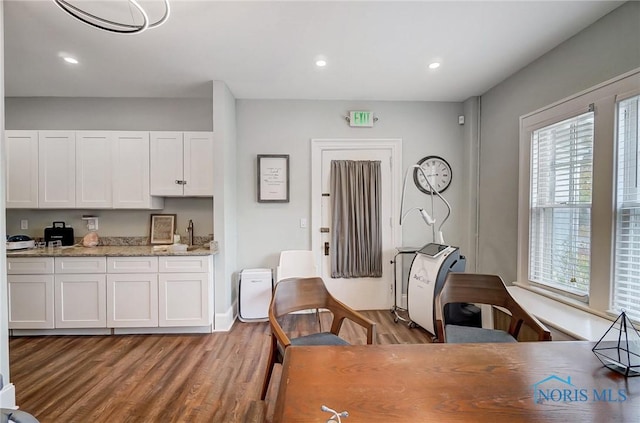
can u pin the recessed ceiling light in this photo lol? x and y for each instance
(321, 63)
(70, 60)
(434, 65)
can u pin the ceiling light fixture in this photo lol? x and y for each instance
(70, 60)
(113, 26)
(321, 63)
(434, 65)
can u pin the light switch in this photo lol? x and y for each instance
(24, 224)
(303, 222)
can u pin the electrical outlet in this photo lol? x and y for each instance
(24, 224)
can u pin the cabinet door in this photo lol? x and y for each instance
(132, 300)
(93, 170)
(80, 301)
(31, 302)
(57, 169)
(183, 299)
(131, 179)
(198, 163)
(22, 169)
(166, 163)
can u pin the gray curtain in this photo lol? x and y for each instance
(356, 244)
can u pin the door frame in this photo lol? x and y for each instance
(318, 146)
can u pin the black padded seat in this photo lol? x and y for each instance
(468, 335)
(322, 338)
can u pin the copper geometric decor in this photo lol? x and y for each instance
(620, 351)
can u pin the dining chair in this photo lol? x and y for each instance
(296, 294)
(483, 289)
(296, 263)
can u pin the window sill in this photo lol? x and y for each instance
(572, 320)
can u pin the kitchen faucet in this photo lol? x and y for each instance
(190, 232)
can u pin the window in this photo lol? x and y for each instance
(560, 219)
(626, 293)
(579, 202)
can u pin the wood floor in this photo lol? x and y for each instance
(163, 378)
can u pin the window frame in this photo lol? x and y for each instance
(603, 99)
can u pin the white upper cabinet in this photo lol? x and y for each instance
(131, 172)
(22, 169)
(182, 164)
(198, 164)
(57, 169)
(166, 163)
(93, 170)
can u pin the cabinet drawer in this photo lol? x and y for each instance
(30, 266)
(80, 264)
(132, 264)
(191, 264)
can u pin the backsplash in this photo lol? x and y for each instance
(132, 241)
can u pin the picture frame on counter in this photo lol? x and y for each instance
(163, 226)
(273, 178)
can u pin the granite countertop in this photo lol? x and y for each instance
(112, 251)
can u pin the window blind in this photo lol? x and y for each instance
(626, 286)
(560, 204)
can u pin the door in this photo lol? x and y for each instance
(166, 164)
(57, 169)
(132, 300)
(93, 170)
(198, 163)
(359, 293)
(80, 301)
(22, 169)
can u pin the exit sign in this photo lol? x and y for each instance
(361, 119)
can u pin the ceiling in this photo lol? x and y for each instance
(267, 50)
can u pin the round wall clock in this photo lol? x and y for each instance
(437, 170)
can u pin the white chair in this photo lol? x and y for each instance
(296, 264)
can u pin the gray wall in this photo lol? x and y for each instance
(126, 114)
(602, 51)
(286, 127)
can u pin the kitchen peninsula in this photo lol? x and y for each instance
(111, 289)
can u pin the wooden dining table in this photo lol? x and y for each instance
(518, 382)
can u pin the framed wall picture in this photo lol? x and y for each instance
(163, 226)
(273, 178)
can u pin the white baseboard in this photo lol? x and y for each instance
(224, 321)
(164, 330)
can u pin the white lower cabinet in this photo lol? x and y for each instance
(113, 292)
(132, 300)
(184, 290)
(132, 292)
(183, 299)
(30, 301)
(80, 301)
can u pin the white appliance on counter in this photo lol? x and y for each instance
(20, 242)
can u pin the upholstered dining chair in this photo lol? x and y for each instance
(296, 263)
(296, 294)
(483, 289)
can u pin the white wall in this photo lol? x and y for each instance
(286, 127)
(606, 49)
(225, 215)
(7, 399)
